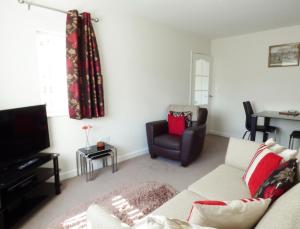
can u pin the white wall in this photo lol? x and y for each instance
(241, 73)
(145, 67)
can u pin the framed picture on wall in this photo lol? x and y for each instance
(284, 55)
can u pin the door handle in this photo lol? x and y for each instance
(210, 96)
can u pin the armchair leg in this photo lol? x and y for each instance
(184, 164)
(153, 156)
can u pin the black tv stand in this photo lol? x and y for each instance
(28, 163)
(23, 182)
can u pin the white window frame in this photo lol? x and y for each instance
(60, 95)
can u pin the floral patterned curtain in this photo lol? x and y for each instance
(85, 82)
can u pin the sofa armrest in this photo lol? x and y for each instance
(192, 142)
(97, 218)
(240, 152)
(155, 129)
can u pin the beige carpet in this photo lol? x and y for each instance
(76, 191)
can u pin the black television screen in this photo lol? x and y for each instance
(23, 131)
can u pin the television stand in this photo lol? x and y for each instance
(22, 185)
(25, 165)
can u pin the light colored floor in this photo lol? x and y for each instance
(140, 169)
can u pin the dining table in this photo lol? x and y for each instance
(268, 115)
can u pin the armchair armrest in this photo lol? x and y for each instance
(154, 129)
(192, 142)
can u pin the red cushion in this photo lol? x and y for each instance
(176, 124)
(262, 171)
(281, 180)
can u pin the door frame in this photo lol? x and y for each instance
(191, 76)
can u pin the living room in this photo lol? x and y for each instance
(148, 54)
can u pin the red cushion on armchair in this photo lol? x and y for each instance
(176, 125)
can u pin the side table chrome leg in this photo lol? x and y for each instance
(91, 171)
(92, 167)
(77, 163)
(81, 165)
(116, 159)
(112, 162)
(86, 169)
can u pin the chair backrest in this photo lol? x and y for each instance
(248, 111)
(199, 115)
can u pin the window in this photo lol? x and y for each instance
(200, 80)
(51, 59)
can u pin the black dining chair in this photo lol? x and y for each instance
(293, 135)
(265, 129)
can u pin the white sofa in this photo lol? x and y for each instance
(223, 183)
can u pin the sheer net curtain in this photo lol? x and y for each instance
(85, 81)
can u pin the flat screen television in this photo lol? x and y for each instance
(23, 132)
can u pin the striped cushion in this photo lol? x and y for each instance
(244, 213)
(287, 154)
(261, 167)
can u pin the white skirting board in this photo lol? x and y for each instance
(73, 172)
(220, 133)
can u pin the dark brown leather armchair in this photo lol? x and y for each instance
(185, 148)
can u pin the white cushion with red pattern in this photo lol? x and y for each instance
(287, 154)
(244, 213)
(260, 168)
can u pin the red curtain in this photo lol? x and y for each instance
(85, 82)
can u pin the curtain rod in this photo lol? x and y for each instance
(47, 7)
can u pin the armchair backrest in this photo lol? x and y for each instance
(199, 115)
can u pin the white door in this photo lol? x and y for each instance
(200, 79)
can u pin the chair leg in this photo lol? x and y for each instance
(275, 133)
(249, 137)
(290, 141)
(293, 143)
(245, 134)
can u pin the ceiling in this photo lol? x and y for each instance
(208, 18)
(220, 18)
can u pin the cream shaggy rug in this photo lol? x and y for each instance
(128, 203)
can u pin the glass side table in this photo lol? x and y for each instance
(85, 158)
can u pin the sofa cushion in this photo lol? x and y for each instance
(168, 141)
(238, 214)
(187, 117)
(183, 108)
(279, 182)
(284, 213)
(179, 206)
(97, 217)
(176, 125)
(240, 152)
(223, 183)
(260, 168)
(162, 222)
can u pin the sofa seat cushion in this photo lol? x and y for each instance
(284, 213)
(179, 207)
(223, 183)
(168, 141)
(97, 217)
